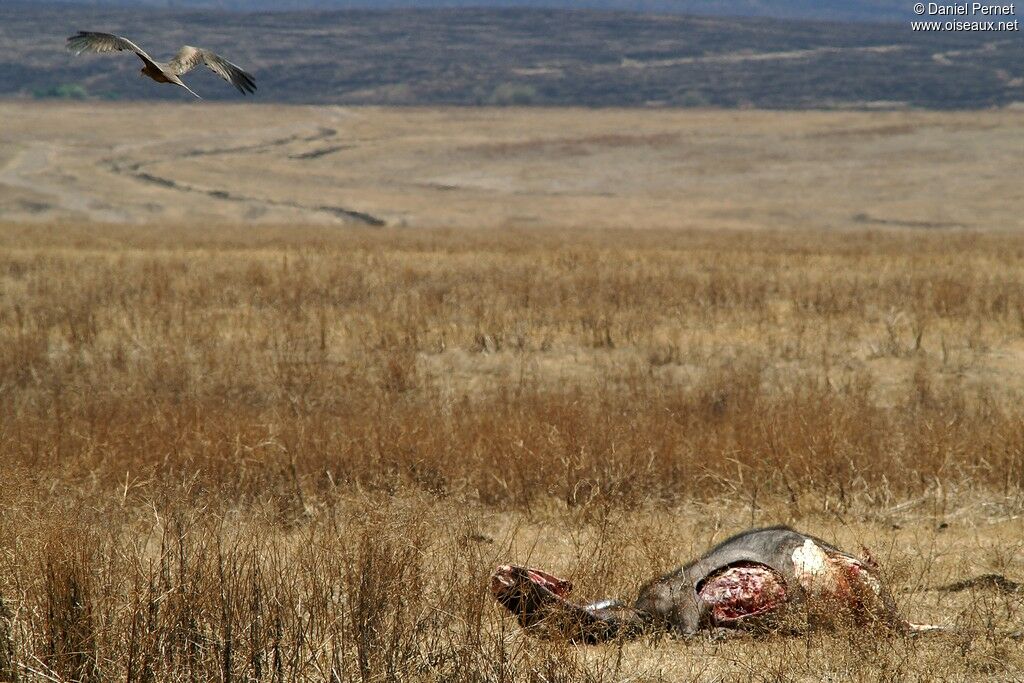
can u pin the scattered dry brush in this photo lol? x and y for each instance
(296, 453)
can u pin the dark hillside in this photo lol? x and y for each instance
(530, 57)
(830, 10)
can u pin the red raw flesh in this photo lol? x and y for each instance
(855, 588)
(560, 587)
(741, 591)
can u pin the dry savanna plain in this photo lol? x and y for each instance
(280, 386)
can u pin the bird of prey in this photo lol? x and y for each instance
(188, 58)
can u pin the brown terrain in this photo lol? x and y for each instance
(502, 168)
(280, 386)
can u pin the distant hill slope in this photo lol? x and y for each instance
(538, 57)
(832, 10)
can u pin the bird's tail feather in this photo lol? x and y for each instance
(189, 89)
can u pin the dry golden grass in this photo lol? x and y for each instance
(296, 453)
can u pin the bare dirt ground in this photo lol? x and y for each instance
(510, 168)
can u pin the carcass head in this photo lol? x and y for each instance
(528, 593)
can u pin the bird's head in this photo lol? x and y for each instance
(142, 71)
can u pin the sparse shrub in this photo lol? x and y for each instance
(514, 94)
(64, 91)
(693, 98)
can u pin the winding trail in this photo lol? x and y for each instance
(740, 57)
(137, 171)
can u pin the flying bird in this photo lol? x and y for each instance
(188, 58)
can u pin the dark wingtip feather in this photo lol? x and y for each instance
(246, 84)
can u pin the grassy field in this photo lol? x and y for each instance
(279, 387)
(296, 453)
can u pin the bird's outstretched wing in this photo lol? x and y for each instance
(89, 41)
(189, 57)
